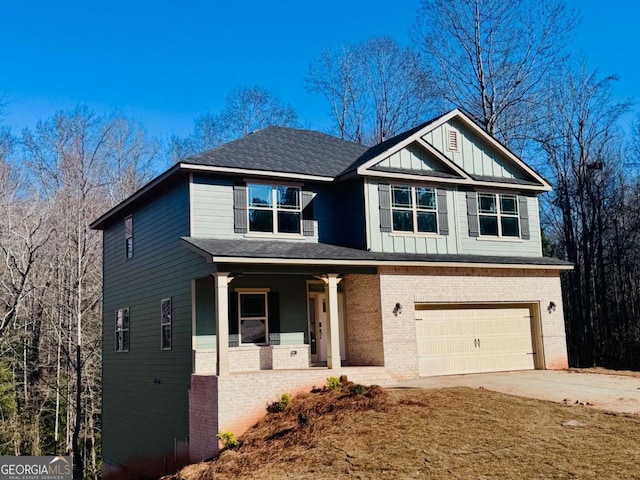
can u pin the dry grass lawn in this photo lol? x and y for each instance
(456, 433)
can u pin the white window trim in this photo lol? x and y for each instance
(253, 291)
(414, 209)
(163, 323)
(499, 215)
(274, 209)
(121, 331)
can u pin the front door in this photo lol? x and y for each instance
(318, 326)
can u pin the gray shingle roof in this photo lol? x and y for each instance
(259, 249)
(287, 150)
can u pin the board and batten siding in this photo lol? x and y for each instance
(390, 242)
(145, 390)
(474, 155)
(412, 157)
(495, 246)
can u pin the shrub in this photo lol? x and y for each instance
(281, 405)
(228, 440)
(358, 389)
(333, 383)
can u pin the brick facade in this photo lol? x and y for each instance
(364, 320)
(382, 342)
(411, 285)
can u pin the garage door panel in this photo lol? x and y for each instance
(473, 340)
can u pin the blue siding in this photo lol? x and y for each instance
(145, 400)
(340, 212)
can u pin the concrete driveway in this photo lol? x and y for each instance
(608, 392)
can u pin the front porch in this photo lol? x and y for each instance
(279, 321)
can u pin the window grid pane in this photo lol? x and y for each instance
(426, 199)
(427, 222)
(401, 197)
(487, 203)
(403, 220)
(259, 195)
(288, 198)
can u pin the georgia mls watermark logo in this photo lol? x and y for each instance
(36, 468)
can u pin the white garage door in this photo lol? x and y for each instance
(474, 340)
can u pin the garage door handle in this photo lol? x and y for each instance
(478, 343)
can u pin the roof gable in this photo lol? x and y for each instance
(479, 159)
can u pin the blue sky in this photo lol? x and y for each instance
(164, 62)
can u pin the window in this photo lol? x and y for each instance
(128, 236)
(253, 317)
(414, 209)
(165, 324)
(122, 330)
(498, 215)
(274, 209)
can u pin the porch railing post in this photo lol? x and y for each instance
(333, 344)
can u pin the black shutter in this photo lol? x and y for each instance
(240, 208)
(523, 211)
(234, 335)
(472, 214)
(274, 317)
(307, 213)
(443, 215)
(384, 200)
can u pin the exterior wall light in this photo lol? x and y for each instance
(397, 310)
(551, 307)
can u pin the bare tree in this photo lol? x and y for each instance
(207, 134)
(493, 58)
(130, 158)
(335, 76)
(246, 109)
(373, 89)
(581, 144)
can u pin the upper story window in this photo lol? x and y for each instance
(122, 330)
(414, 209)
(128, 236)
(498, 215)
(274, 209)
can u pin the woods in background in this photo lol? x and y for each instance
(504, 63)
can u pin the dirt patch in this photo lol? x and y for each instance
(434, 434)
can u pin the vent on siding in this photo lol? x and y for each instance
(453, 140)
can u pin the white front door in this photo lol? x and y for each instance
(318, 326)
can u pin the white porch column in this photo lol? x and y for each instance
(222, 322)
(333, 344)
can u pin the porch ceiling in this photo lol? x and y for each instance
(266, 252)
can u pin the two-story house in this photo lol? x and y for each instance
(287, 256)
